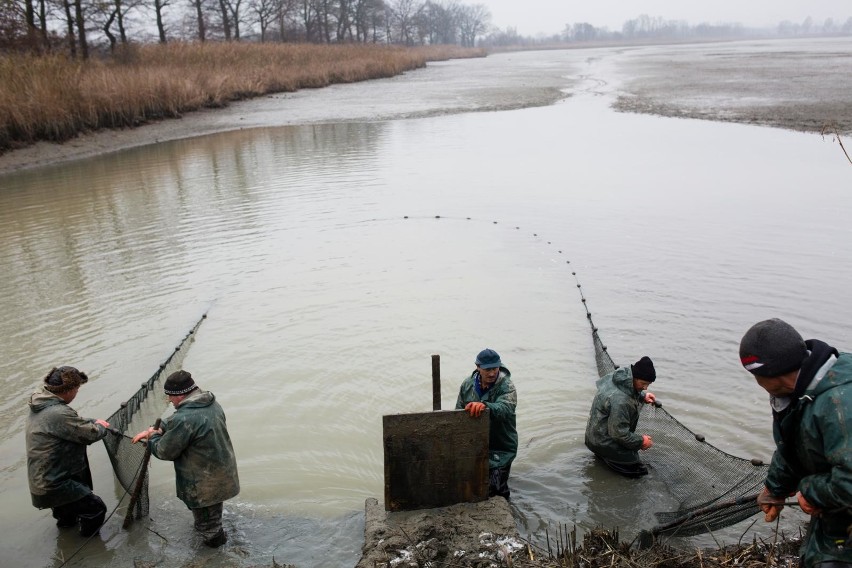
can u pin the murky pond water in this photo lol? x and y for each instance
(329, 282)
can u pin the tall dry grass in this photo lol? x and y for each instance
(54, 98)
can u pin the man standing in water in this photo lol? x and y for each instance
(57, 464)
(490, 387)
(611, 430)
(196, 439)
(810, 392)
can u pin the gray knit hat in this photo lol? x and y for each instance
(772, 348)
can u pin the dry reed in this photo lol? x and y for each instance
(54, 98)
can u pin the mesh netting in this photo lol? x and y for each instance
(127, 458)
(714, 489)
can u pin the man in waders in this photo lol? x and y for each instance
(611, 430)
(196, 439)
(810, 393)
(57, 463)
(490, 387)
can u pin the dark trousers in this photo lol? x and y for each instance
(208, 522)
(88, 511)
(498, 481)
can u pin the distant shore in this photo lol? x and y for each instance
(817, 98)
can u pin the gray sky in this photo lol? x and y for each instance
(550, 16)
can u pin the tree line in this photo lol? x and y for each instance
(645, 27)
(78, 26)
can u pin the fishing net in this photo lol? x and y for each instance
(127, 458)
(714, 489)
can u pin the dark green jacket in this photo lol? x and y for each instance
(817, 460)
(57, 465)
(611, 430)
(196, 439)
(501, 400)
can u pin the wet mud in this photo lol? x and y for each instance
(765, 83)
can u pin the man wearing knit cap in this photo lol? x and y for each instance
(810, 393)
(196, 439)
(57, 464)
(490, 388)
(611, 430)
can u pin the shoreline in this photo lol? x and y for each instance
(707, 86)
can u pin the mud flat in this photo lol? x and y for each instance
(803, 85)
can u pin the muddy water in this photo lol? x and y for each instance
(329, 282)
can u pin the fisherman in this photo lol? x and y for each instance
(57, 463)
(611, 430)
(810, 393)
(196, 439)
(490, 387)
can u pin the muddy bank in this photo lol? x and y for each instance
(467, 534)
(803, 85)
(480, 535)
(444, 87)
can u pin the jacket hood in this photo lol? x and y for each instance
(838, 374)
(198, 399)
(622, 378)
(42, 399)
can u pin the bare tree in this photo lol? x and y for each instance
(79, 17)
(308, 13)
(159, 6)
(369, 17)
(403, 15)
(266, 12)
(198, 6)
(473, 22)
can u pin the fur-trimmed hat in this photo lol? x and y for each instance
(643, 369)
(63, 379)
(179, 382)
(772, 348)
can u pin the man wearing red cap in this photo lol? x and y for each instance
(196, 439)
(810, 388)
(611, 430)
(490, 387)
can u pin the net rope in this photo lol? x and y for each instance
(714, 489)
(126, 457)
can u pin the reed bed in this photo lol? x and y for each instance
(55, 98)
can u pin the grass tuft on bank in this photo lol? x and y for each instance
(55, 98)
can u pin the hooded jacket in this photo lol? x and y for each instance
(501, 400)
(196, 439)
(611, 430)
(57, 464)
(813, 437)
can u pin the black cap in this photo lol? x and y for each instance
(179, 382)
(772, 348)
(643, 369)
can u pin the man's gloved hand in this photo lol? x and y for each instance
(806, 506)
(474, 408)
(647, 442)
(770, 505)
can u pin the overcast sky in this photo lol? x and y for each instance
(531, 17)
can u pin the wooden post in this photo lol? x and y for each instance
(436, 382)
